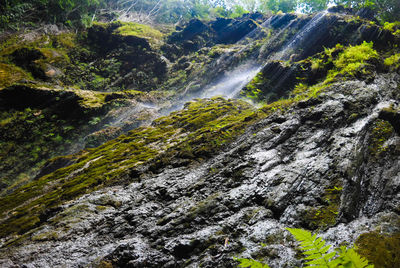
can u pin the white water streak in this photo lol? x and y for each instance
(232, 83)
(305, 33)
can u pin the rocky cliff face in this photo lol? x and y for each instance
(220, 178)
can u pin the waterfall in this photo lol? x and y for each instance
(301, 36)
(230, 83)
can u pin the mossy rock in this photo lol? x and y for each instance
(10, 74)
(109, 36)
(154, 36)
(383, 250)
(199, 130)
(380, 132)
(325, 215)
(66, 102)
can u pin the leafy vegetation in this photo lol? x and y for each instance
(318, 254)
(17, 13)
(393, 61)
(354, 58)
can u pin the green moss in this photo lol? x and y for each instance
(45, 236)
(394, 27)
(55, 56)
(253, 88)
(381, 131)
(346, 62)
(10, 74)
(393, 61)
(62, 43)
(203, 207)
(140, 30)
(198, 130)
(67, 40)
(383, 250)
(325, 215)
(354, 58)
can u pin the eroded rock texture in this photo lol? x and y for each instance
(217, 178)
(279, 173)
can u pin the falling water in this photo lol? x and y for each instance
(231, 82)
(230, 85)
(134, 111)
(302, 35)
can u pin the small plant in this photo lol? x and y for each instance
(394, 27)
(393, 61)
(354, 58)
(250, 263)
(94, 121)
(318, 254)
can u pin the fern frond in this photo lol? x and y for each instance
(250, 263)
(315, 249)
(351, 259)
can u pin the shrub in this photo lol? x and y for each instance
(354, 58)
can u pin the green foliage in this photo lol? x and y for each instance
(314, 247)
(276, 6)
(394, 27)
(355, 57)
(349, 258)
(385, 10)
(250, 263)
(17, 13)
(393, 61)
(252, 89)
(312, 6)
(237, 11)
(318, 254)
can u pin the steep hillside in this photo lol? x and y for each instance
(127, 145)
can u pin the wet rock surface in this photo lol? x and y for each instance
(271, 177)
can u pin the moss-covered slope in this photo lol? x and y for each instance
(183, 137)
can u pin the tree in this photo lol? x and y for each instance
(285, 6)
(312, 6)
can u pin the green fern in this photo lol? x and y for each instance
(350, 259)
(315, 249)
(250, 263)
(318, 254)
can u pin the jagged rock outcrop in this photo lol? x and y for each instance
(218, 178)
(329, 162)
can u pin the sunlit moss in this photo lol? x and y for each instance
(54, 56)
(355, 57)
(140, 30)
(394, 27)
(194, 133)
(9, 74)
(393, 61)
